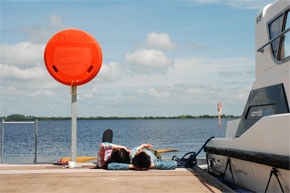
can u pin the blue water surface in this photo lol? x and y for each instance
(54, 137)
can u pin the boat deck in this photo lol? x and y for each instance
(59, 179)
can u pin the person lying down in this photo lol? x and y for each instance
(142, 158)
(118, 157)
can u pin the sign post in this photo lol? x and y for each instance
(73, 57)
(74, 124)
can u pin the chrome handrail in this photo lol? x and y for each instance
(261, 49)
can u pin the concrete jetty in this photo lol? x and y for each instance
(47, 178)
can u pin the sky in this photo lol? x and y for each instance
(160, 58)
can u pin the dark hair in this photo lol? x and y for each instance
(118, 156)
(141, 160)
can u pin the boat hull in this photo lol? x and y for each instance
(250, 175)
(266, 145)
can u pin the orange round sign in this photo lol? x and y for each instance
(73, 57)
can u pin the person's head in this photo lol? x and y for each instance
(141, 160)
(119, 156)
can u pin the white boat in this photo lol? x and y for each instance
(255, 153)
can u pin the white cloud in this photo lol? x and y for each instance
(37, 93)
(152, 92)
(181, 82)
(193, 81)
(160, 41)
(92, 92)
(213, 92)
(14, 72)
(247, 4)
(206, 1)
(109, 72)
(56, 21)
(43, 32)
(24, 76)
(195, 46)
(197, 66)
(22, 61)
(51, 84)
(240, 4)
(149, 61)
(22, 54)
(23, 73)
(199, 91)
(186, 97)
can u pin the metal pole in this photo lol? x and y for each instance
(35, 142)
(2, 140)
(74, 123)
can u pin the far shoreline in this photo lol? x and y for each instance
(20, 117)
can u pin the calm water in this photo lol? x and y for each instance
(54, 137)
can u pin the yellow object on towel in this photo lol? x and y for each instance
(166, 150)
(79, 159)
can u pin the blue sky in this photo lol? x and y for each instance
(160, 58)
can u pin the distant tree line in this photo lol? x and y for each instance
(20, 117)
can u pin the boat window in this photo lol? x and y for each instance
(285, 39)
(280, 45)
(275, 29)
(263, 102)
(287, 21)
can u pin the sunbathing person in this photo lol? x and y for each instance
(142, 158)
(109, 152)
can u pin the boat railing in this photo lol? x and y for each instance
(261, 49)
(19, 122)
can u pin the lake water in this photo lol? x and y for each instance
(54, 137)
